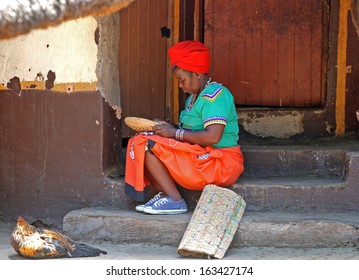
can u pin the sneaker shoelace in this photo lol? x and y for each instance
(155, 198)
(162, 201)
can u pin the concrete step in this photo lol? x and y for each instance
(295, 194)
(139, 251)
(290, 194)
(304, 193)
(320, 160)
(257, 229)
(312, 177)
(294, 161)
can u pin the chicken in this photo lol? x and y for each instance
(36, 243)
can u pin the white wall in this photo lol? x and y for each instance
(69, 50)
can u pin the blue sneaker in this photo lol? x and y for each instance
(158, 196)
(166, 205)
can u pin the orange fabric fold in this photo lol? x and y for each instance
(191, 166)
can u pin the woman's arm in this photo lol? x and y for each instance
(212, 134)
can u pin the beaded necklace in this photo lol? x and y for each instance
(193, 97)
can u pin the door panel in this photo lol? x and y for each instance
(142, 60)
(268, 53)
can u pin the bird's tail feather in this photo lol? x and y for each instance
(84, 250)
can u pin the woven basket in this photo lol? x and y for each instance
(140, 124)
(213, 224)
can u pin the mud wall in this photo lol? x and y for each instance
(59, 136)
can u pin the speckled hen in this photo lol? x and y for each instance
(36, 243)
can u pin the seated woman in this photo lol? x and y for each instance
(202, 150)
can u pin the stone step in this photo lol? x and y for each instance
(294, 161)
(290, 194)
(316, 160)
(293, 178)
(304, 192)
(257, 229)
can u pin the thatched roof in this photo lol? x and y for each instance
(20, 16)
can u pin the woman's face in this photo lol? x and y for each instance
(187, 81)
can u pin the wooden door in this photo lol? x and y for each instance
(142, 60)
(268, 53)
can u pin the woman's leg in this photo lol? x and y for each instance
(154, 183)
(160, 178)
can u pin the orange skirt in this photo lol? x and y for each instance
(191, 166)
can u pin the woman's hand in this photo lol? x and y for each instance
(165, 129)
(175, 125)
(212, 134)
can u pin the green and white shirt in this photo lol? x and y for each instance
(214, 105)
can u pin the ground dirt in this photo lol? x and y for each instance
(158, 252)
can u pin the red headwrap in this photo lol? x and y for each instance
(191, 56)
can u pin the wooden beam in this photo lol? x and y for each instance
(169, 78)
(176, 29)
(196, 20)
(341, 67)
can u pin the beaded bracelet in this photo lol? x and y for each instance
(179, 134)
